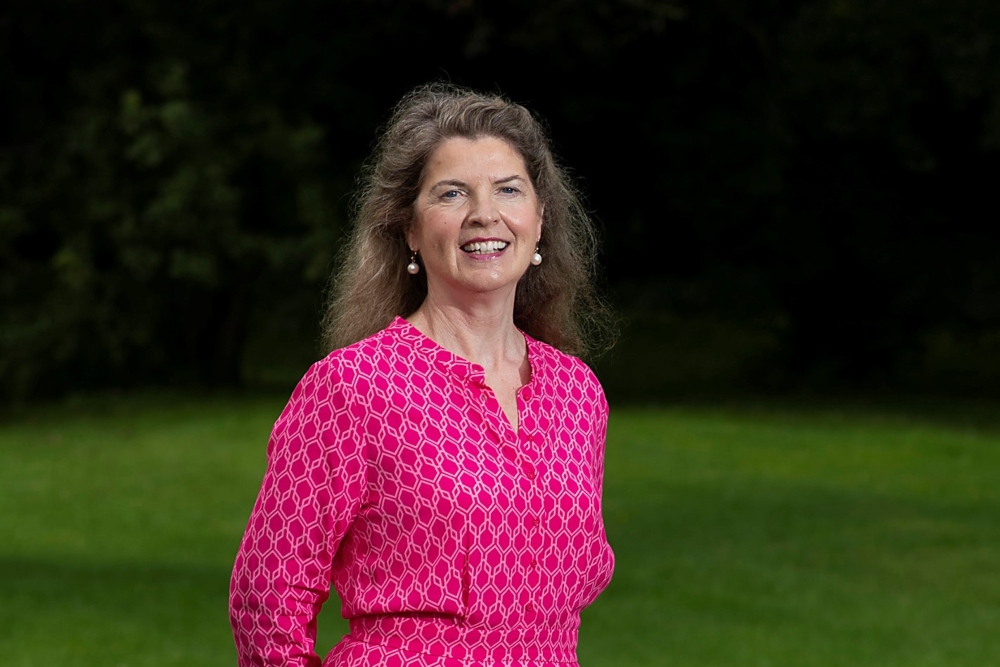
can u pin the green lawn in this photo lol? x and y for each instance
(744, 535)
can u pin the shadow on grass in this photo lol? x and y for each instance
(66, 612)
(56, 612)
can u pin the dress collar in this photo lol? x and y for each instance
(459, 366)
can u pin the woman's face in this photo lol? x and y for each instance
(477, 219)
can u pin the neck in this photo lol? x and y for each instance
(481, 333)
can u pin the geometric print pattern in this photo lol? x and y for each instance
(452, 540)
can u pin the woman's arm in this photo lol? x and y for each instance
(312, 489)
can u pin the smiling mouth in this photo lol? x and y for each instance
(484, 247)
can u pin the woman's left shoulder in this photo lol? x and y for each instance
(563, 367)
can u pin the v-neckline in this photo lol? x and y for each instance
(473, 372)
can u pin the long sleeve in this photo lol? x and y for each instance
(313, 488)
(601, 435)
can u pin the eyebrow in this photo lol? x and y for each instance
(463, 184)
(460, 184)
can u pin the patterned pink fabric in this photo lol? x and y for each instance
(452, 540)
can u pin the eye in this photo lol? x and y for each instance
(450, 194)
(509, 190)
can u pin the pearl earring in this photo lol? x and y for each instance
(413, 268)
(536, 259)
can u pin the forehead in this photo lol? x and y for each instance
(481, 157)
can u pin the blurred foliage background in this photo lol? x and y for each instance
(795, 195)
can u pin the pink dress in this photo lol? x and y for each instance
(452, 540)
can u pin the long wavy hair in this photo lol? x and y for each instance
(555, 302)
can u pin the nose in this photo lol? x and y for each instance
(484, 211)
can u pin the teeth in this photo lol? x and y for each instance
(485, 246)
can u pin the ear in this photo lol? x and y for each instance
(411, 241)
(541, 221)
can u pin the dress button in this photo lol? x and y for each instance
(534, 563)
(536, 522)
(529, 607)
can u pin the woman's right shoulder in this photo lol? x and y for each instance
(342, 382)
(362, 360)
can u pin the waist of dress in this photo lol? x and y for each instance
(451, 637)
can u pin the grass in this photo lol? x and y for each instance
(746, 535)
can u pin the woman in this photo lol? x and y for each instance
(443, 465)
